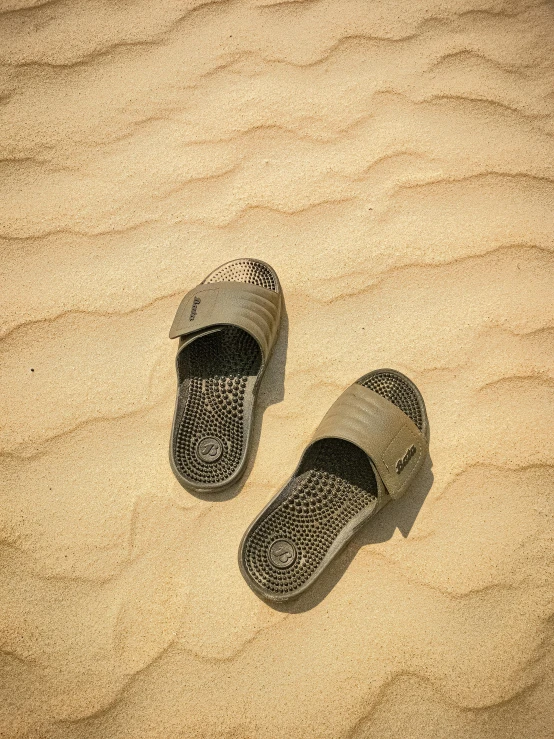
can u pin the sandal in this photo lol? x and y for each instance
(227, 328)
(368, 449)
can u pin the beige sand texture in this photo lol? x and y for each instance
(394, 162)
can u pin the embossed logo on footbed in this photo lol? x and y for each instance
(282, 553)
(209, 449)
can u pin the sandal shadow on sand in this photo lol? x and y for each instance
(227, 327)
(367, 450)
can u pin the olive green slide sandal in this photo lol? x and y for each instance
(366, 451)
(227, 328)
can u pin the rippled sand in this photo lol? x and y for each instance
(395, 163)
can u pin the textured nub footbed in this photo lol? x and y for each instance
(209, 441)
(398, 391)
(245, 270)
(334, 484)
(216, 374)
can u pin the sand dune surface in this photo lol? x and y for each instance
(394, 162)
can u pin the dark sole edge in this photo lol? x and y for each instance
(239, 472)
(346, 534)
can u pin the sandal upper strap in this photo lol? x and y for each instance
(391, 440)
(255, 309)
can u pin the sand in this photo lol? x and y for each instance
(394, 162)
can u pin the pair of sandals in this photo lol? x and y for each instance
(366, 451)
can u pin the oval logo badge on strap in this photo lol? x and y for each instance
(401, 463)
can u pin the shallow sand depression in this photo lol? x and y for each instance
(394, 162)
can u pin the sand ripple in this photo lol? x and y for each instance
(396, 166)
